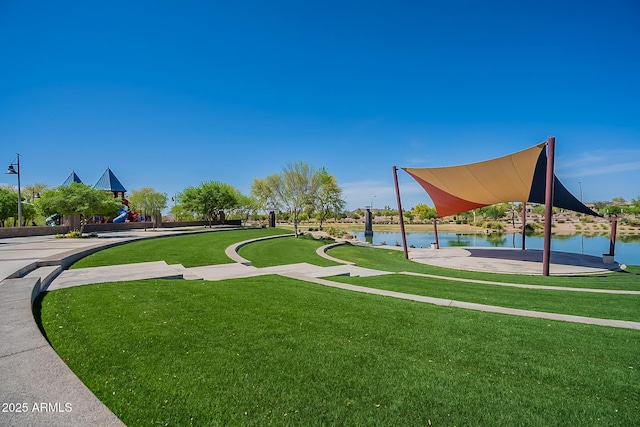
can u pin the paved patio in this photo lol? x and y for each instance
(511, 261)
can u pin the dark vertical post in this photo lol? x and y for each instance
(368, 223)
(400, 216)
(524, 224)
(435, 231)
(612, 242)
(548, 205)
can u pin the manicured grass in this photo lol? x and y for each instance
(286, 250)
(393, 260)
(190, 250)
(605, 306)
(275, 351)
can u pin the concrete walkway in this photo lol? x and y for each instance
(49, 394)
(511, 261)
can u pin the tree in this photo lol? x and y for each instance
(494, 211)
(246, 207)
(8, 205)
(79, 199)
(613, 210)
(424, 211)
(150, 201)
(294, 189)
(28, 213)
(329, 197)
(263, 190)
(209, 199)
(31, 192)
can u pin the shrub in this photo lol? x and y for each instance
(333, 231)
(493, 225)
(75, 234)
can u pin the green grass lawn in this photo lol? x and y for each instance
(286, 250)
(605, 306)
(393, 260)
(275, 351)
(190, 250)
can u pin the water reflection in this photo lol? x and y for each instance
(461, 240)
(627, 246)
(628, 238)
(497, 240)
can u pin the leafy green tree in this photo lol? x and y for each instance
(424, 211)
(8, 205)
(494, 211)
(79, 199)
(209, 199)
(387, 211)
(328, 199)
(293, 190)
(28, 213)
(613, 210)
(31, 192)
(246, 207)
(264, 191)
(149, 201)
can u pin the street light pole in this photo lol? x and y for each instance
(580, 185)
(12, 171)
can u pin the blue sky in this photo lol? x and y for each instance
(171, 94)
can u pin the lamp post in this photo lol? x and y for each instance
(580, 185)
(16, 171)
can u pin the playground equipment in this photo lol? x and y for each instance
(123, 214)
(126, 213)
(52, 221)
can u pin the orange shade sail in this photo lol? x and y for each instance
(517, 177)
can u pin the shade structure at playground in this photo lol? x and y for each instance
(517, 177)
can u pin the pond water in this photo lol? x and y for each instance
(627, 249)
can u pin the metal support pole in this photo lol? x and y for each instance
(19, 196)
(612, 242)
(435, 231)
(401, 217)
(524, 224)
(548, 205)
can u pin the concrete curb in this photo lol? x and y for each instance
(232, 251)
(322, 251)
(33, 375)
